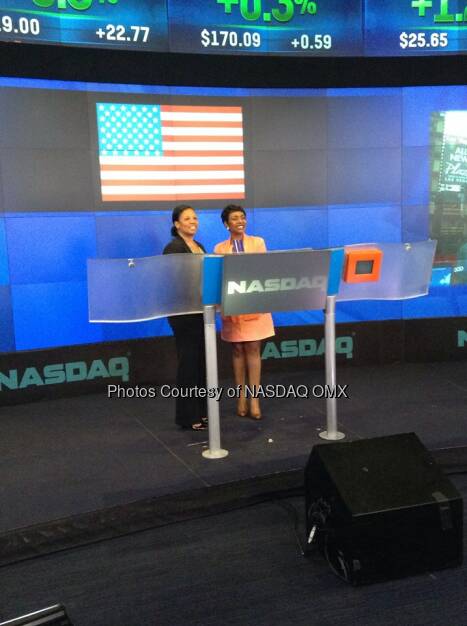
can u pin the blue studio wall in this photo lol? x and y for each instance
(376, 160)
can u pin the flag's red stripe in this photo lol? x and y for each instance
(201, 124)
(170, 168)
(173, 108)
(155, 198)
(202, 138)
(164, 183)
(201, 153)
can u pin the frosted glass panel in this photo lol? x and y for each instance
(134, 290)
(405, 272)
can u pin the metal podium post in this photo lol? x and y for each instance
(212, 380)
(331, 433)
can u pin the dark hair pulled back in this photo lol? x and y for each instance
(176, 213)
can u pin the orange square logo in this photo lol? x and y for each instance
(362, 265)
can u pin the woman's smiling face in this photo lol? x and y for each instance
(187, 223)
(236, 222)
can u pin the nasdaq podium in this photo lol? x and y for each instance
(134, 290)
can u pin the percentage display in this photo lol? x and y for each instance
(284, 11)
(307, 6)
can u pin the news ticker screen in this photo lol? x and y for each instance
(284, 27)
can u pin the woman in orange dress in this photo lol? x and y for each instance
(244, 332)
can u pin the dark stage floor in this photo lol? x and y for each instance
(70, 456)
(242, 568)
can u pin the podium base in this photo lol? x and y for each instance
(215, 454)
(332, 436)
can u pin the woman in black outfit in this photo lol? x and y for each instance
(188, 329)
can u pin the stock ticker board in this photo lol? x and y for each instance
(282, 27)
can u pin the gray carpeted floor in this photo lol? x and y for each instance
(238, 568)
(69, 456)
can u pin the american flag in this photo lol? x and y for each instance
(169, 152)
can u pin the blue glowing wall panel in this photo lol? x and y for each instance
(298, 318)
(293, 227)
(360, 224)
(50, 249)
(415, 223)
(416, 175)
(440, 302)
(129, 235)
(365, 309)
(7, 333)
(52, 314)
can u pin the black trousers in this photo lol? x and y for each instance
(191, 368)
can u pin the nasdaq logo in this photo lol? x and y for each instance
(78, 5)
(275, 284)
(299, 348)
(60, 373)
(461, 338)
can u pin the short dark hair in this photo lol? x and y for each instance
(176, 213)
(231, 208)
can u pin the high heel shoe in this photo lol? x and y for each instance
(197, 426)
(255, 411)
(242, 407)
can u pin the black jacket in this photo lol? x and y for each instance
(191, 323)
(178, 245)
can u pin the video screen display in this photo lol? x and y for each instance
(95, 170)
(256, 27)
(448, 197)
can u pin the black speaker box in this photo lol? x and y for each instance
(381, 508)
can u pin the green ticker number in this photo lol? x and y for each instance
(444, 16)
(252, 10)
(79, 5)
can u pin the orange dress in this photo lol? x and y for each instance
(251, 327)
